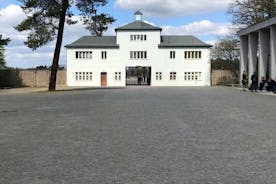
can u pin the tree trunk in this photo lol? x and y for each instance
(54, 68)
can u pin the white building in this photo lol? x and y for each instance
(138, 49)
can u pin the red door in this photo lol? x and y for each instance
(103, 79)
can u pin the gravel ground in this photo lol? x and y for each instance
(138, 135)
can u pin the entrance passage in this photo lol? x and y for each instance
(139, 75)
(103, 79)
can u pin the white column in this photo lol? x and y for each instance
(253, 48)
(264, 37)
(244, 55)
(273, 51)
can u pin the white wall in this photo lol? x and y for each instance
(150, 45)
(96, 65)
(158, 59)
(180, 65)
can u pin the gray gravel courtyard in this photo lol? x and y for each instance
(138, 136)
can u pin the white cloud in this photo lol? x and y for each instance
(204, 27)
(18, 54)
(11, 15)
(211, 42)
(173, 7)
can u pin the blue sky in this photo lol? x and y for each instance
(202, 18)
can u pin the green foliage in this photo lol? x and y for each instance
(95, 23)
(98, 23)
(42, 67)
(226, 54)
(43, 18)
(218, 64)
(45, 23)
(3, 42)
(249, 12)
(42, 21)
(2, 61)
(45, 67)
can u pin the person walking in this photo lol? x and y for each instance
(244, 81)
(254, 82)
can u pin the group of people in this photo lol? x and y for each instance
(143, 80)
(268, 85)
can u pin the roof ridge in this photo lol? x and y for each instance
(98, 36)
(178, 35)
(138, 13)
(138, 25)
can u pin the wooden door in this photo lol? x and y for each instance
(103, 79)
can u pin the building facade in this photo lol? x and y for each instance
(139, 50)
(258, 49)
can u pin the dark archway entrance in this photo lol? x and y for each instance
(138, 75)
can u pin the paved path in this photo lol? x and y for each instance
(38, 89)
(138, 136)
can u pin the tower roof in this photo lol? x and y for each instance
(138, 13)
(138, 26)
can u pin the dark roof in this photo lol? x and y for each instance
(95, 42)
(256, 27)
(181, 41)
(138, 26)
(138, 13)
(110, 42)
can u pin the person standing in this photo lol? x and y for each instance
(254, 82)
(244, 81)
(262, 84)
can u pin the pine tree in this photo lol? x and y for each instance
(46, 19)
(3, 42)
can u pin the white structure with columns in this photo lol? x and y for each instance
(167, 60)
(258, 49)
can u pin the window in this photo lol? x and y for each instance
(104, 53)
(83, 76)
(172, 54)
(192, 76)
(138, 37)
(172, 75)
(192, 54)
(158, 75)
(118, 76)
(83, 54)
(138, 54)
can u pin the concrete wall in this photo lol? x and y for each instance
(17, 78)
(34, 78)
(224, 77)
